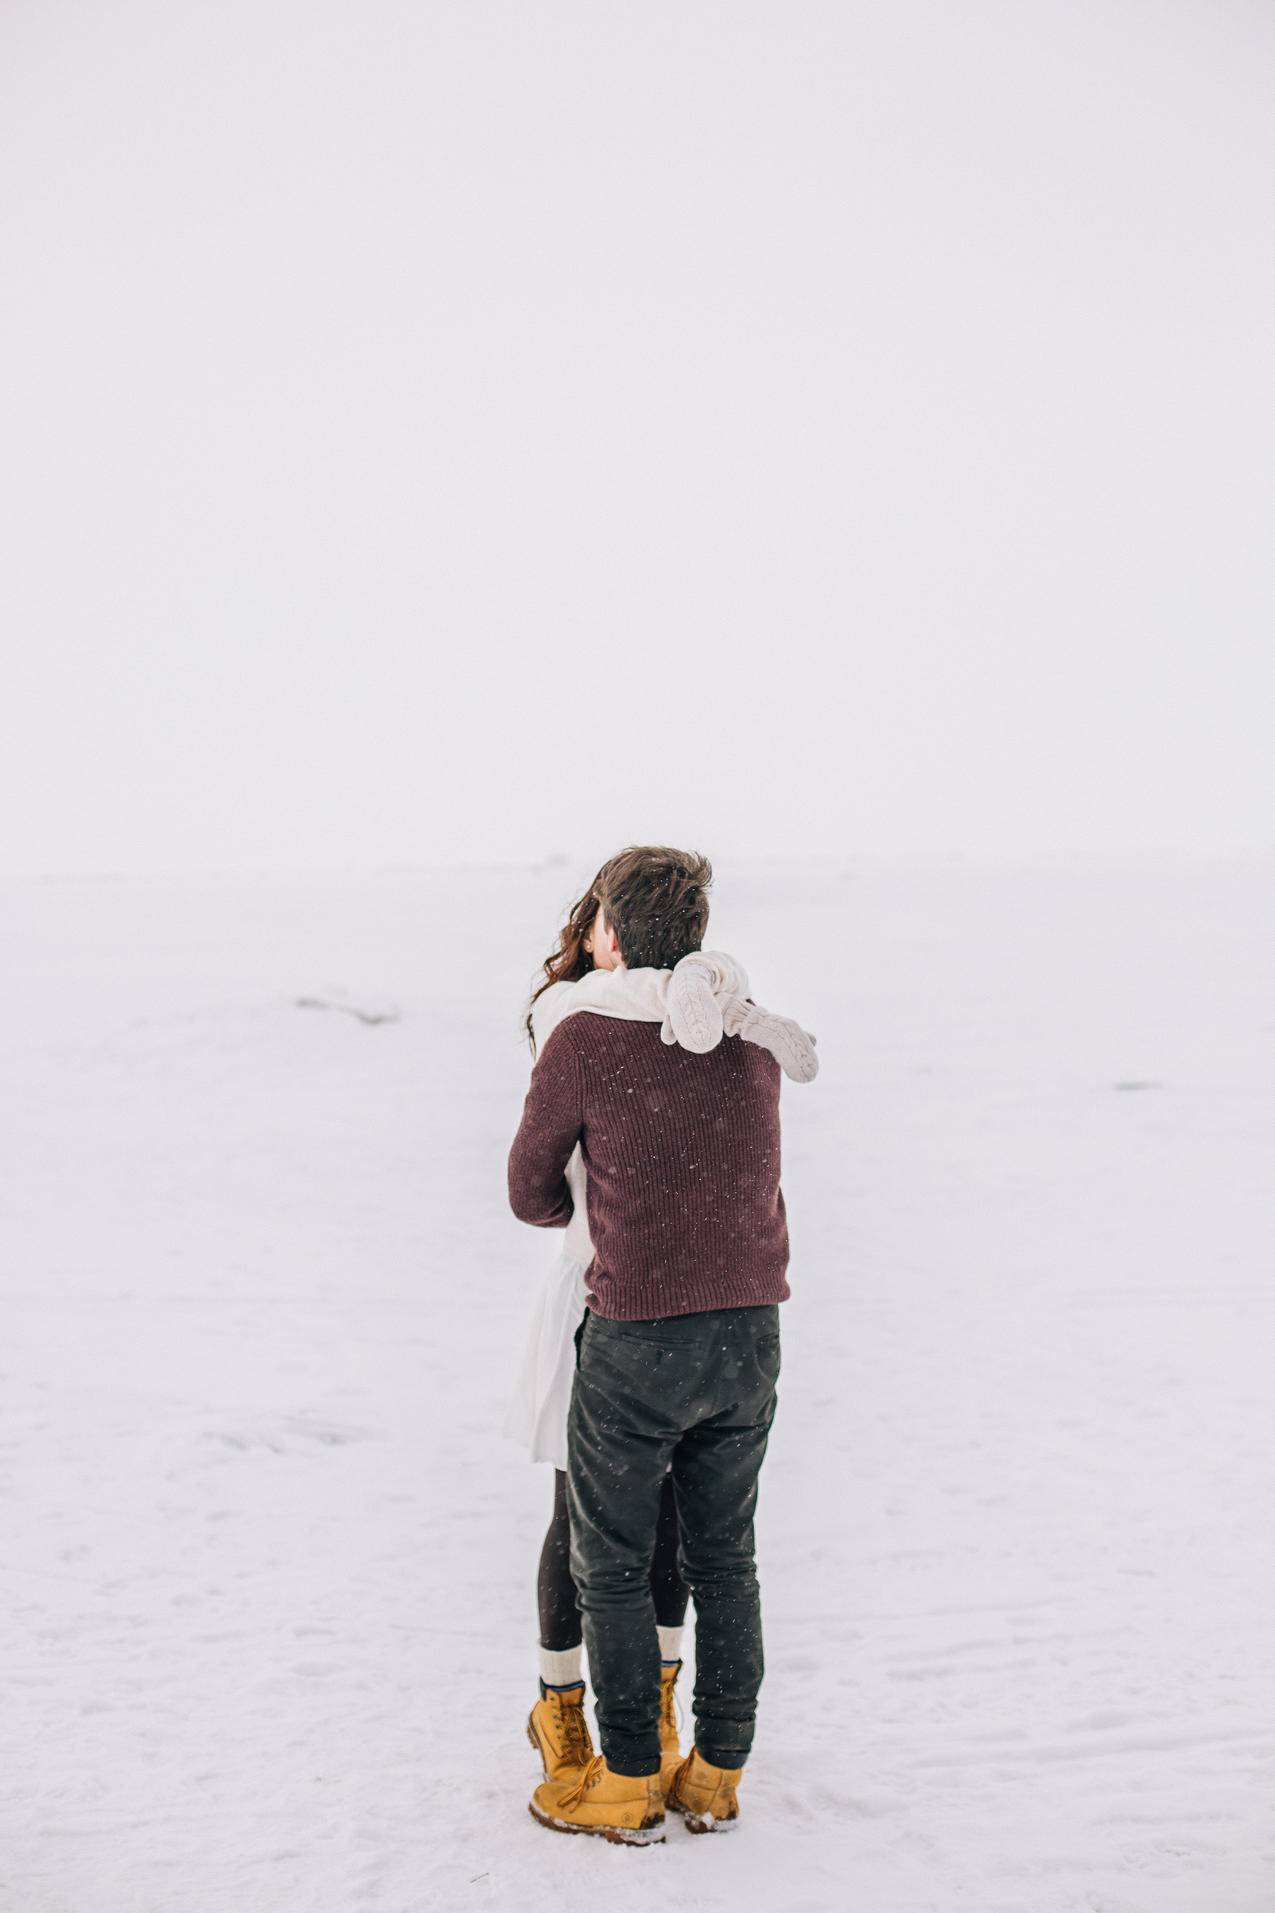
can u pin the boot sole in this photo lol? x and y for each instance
(649, 1835)
(699, 1822)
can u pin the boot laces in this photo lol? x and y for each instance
(669, 1710)
(588, 1778)
(671, 1714)
(576, 1745)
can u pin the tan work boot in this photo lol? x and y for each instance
(704, 1794)
(670, 1745)
(625, 1808)
(559, 1732)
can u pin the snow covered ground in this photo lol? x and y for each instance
(267, 1575)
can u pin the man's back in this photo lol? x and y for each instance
(682, 1152)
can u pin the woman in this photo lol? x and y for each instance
(538, 1414)
(696, 996)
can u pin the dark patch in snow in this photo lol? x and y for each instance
(386, 1014)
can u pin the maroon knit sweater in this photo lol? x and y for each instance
(682, 1157)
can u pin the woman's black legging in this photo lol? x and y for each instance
(556, 1591)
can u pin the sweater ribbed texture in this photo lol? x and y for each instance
(682, 1158)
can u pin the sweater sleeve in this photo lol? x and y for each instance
(552, 1119)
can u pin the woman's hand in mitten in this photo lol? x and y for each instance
(791, 1046)
(693, 1015)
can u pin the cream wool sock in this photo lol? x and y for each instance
(670, 1643)
(561, 1667)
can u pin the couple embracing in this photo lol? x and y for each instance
(650, 1135)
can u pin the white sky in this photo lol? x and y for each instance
(447, 431)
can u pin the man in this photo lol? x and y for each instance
(677, 1357)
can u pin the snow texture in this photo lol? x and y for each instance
(268, 1569)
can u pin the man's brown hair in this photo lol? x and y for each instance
(656, 901)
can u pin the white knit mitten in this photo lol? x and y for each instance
(698, 986)
(793, 1047)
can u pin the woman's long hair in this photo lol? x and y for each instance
(655, 899)
(569, 961)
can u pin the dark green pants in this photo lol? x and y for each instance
(696, 1391)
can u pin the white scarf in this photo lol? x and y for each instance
(700, 1000)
